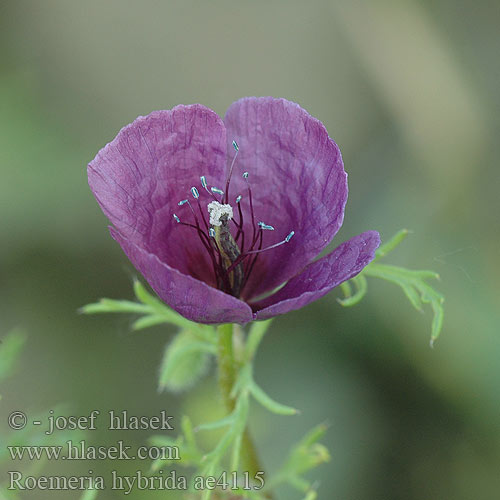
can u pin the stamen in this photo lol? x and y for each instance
(194, 213)
(286, 240)
(240, 225)
(228, 180)
(207, 244)
(254, 235)
(202, 214)
(254, 258)
(267, 227)
(216, 190)
(204, 185)
(232, 262)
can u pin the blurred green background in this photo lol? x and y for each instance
(408, 89)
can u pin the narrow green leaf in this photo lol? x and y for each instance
(303, 456)
(240, 415)
(346, 289)
(218, 452)
(235, 453)
(255, 335)
(147, 321)
(115, 306)
(243, 380)
(412, 295)
(437, 322)
(144, 296)
(361, 289)
(170, 316)
(415, 288)
(155, 310)
(217, 424)
(268, 403)
(388, 247)
(427, 275)
(188, 431)
(314, 435)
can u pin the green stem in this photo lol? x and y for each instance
(227, 377)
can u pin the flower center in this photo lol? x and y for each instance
(233, 258)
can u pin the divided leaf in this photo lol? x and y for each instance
(413, 284)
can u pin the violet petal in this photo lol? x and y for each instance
(298, 183)
(188, 296)
(319, 277)
(140, 176)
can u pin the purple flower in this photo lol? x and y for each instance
(217, 214)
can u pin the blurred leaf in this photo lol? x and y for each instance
(305, 455)
(89, 495)
(115, 306)
(148, 321)
(413, 283)
(184, 362)
(10, 348)
(154, 310)
(255, 335)
(5, 494)
(361, 289)
(190, 454)
(269, 403)
(415, 288)
(217, 424)
(158, 307)
(232, 435)
(389, 246)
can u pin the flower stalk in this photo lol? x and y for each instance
(227, 375)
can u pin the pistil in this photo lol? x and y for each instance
(232, 262)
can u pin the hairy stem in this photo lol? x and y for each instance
(227, 376)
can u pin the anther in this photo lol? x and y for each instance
(238, 199)
(195, 193)
(245, 175)
(176, 218)
(203, 180)
(216, 190)
(264, 226)
(235, 146)
(182, 202)
(211, 232)
(289, 237)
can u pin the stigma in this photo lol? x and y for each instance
(219, 212)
